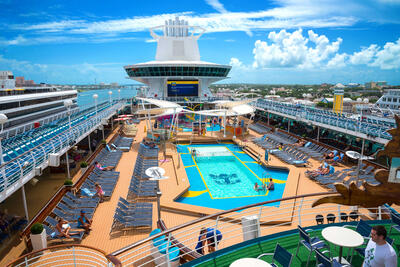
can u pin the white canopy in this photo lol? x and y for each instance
(166, 107)
(228, 108)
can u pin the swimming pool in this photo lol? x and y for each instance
(223, 176)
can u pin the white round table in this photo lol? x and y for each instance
(342, 237)
(250, 262)
(356, 155)
(156, 173)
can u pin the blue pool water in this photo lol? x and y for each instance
(226, 181)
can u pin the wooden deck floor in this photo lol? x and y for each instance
(100, 235)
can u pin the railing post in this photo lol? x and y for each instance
(340, 217)
(73, 255)
(167, 251)
(301, 204)
(26, 261)
(215, 233)
(379, 213)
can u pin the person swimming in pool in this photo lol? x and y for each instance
(257, 187)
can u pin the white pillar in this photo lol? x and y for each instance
(318, 135)
(67, 159)
(90, 148)
(24, 201)
(225, 124)
(360, 161)
(288, 125)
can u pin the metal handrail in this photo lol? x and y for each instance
(35, 255)
(211, 216)
(18, 163)
(292, 210)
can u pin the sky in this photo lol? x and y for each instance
(265, 41)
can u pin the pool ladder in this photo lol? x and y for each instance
(265, 175)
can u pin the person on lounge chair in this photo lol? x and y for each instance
(63, 228)
(84, 222)
(300, 143)
(103, 168)
(99, 192)
(323, 169)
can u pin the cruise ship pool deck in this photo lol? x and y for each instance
(186, 199)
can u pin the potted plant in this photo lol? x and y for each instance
(84, 166)
(38, 237)
(68, 183)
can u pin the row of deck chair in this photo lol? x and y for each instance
(148, 151)
(291, 156)
(132, 215)
(109, 158)
(69, 209)
(123, 141)
(314, 150)
(340, 176)
(260, 128)
(266, 143)
(142, 189)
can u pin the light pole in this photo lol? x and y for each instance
(68, 103)
(157, 174)
(119, 94)
(3, 120)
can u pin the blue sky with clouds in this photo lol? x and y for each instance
(279, 41)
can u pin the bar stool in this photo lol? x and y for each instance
(344, 216)
(353, 215)
(331, 218)
(320, 219)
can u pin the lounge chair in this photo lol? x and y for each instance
(51, 234)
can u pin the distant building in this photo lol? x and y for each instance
(379, 84)
(20, 81)
(352, 85)
(7, 80)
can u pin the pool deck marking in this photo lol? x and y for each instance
(190, 166)
(194, 193)
(201, 175)
(249, 169)
(202, 178)
(243, 162)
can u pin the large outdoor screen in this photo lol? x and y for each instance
(183, 88)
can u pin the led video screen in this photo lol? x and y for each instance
(183, 88)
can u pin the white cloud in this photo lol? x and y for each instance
(236, 63)
(216, 5)
(388, 57)
(294, 50)
(384, 58)
(365, 56)
(338, 61)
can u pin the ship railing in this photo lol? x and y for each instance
(66, 255)
(238, 225)
(16, 142)
(16, 172)
(326, 117)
